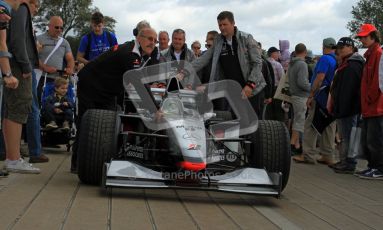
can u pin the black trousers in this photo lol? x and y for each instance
(372, 141)
(257, 102)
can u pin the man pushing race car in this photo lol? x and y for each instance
(100, 81)
(121, 146)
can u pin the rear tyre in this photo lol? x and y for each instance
(270, 148)
(97, 143)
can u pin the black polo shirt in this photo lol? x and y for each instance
(229, 62)
(102, 78)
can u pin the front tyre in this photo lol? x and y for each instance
(270, 148)
(97, 143)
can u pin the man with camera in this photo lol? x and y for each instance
(18, 101)
(8, 80)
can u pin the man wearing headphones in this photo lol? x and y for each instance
(100, 84)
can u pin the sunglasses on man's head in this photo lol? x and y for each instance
(59, 27)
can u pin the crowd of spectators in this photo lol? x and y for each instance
(341, 83)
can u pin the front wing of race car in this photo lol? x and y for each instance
(247, 180)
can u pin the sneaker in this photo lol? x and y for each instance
(51, 125)
(338, 164)
(361, 172)
(295, 151)
(20, 166)
(344, 169)
(66, 125)
(373, 174)
(3, 173)
(326, 160)
(40, 159)
(303, 159)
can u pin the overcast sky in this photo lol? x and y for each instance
(307, 21)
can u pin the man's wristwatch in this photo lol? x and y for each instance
(7, 74)
(251, 84)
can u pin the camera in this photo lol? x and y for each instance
(4, 10)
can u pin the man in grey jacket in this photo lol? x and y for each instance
(178, 49)
(177, 54)
(299, 90)
(235, 56)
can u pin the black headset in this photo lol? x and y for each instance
(135, 32)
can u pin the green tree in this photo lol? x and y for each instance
(73, 13)
(76, 16)
(366, 11)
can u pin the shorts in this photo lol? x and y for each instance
(1, 98)
(300, 109)
(18, 102)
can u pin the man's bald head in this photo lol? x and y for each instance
(55, 19)
(55, 26)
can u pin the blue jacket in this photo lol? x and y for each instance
(53, 101)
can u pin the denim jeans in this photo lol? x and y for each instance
(345, 125)
(33, 123)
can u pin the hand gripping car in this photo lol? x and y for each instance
(172, 139)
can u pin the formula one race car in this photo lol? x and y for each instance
(171, 139)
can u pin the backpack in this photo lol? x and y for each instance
(89, 37)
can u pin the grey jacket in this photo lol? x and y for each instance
(187, 56)
(298, 75)
(167, 54)
(21, 40)
(249, 59)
